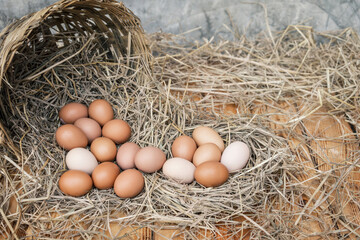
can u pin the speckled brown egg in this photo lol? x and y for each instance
(150, 159)
(69, 136)
(72, 111)
(101, 111)
(203, 135)
(183, 147)
(117, 130)
(90, 127)
(125, 157)
(104, 149)
(104, 175)
(75, 183)
(206, 153)
(129, 183)
(211, 174)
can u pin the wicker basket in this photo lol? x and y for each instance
(29, 43)
(63, 23)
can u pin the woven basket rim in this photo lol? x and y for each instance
(13, 35)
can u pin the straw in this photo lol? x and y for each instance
(187, 85)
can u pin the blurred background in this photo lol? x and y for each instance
(206, 18)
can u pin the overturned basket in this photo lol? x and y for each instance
(63, 23)
(34, 49)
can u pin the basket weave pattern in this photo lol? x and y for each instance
(28, 45)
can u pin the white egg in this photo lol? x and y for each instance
(81, 159)
(179, 169)
(235, 156)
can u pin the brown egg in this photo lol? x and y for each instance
(206, 153)
(72, 111)
(104, 149)
(101, 111)
(211, 174)
(104, 175)
(129, 183)
(204, 135)
(69, 136)
(150, 159)
(125, 157)
(183, 147)
(75, 183)
(90, 127)
(117, 130)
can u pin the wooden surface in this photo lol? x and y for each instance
(322, 143)
(319, 145)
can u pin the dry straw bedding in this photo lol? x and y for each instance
(188, 84)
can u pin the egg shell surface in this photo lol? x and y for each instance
(203, 135)
(104, 149)
(150, 159)
(125, 156)
(235, 156)
(72, 111)
(75, 183)
(184, 147)
(211, 174)
(90, 128)
(101, 111)
(117, 130)
(69, 136)
(206, 153)
(104, 175)
(129, 183)
(179, 169)
(81, 159)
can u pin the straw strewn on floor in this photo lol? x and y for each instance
(274, 89)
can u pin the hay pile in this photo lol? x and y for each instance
(191, 84)
(302, 86)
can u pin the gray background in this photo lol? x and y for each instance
(211, 16)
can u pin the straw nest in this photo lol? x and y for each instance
(260, 92)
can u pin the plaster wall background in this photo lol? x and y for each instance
(210, 16)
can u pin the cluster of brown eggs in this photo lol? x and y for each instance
(203, 157)
(96, 126)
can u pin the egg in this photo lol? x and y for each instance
(101, 111)
(235, 156)
(104, 149)
(149, 159)
(72, 111)
(206, 153)
(104, 175)
(171, 169)
(211, 174)
(129, 183)
(203, 135)
(90, 128)
(184, 147)
(81, 159)
(69, 136)
(125, 156)
(75, 183)
(117, 130)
